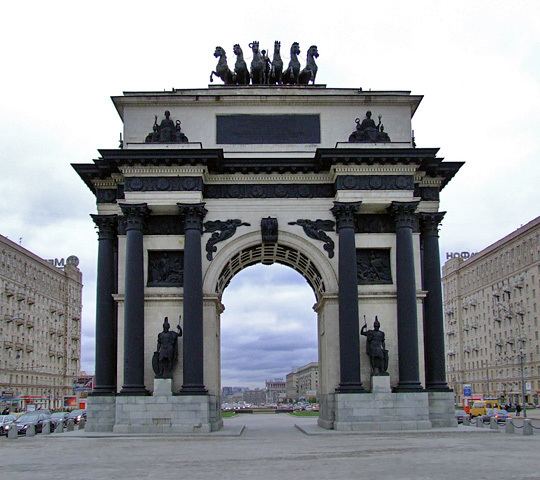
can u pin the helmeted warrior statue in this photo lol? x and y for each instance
(376, 349)
(166, 354)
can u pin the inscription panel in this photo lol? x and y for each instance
(267, 129)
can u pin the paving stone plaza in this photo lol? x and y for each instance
(271, 447)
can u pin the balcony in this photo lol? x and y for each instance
(29, 348)
(467, 349)
(19, 346)
(20, 296)
(19, 321)
(52, 352)
(53, 309)
(76, 318)
(29, 323)
(75, 336)
(8, 344)
(30, 299)
(8, 318)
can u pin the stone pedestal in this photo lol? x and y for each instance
(100, 413)
(162, 387)
(167, 414)
(380, 384)
(371, 412)
(441, 409)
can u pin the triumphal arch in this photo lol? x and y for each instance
(328, 181)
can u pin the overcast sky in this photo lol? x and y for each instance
(476, 62)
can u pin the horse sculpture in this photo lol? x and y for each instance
(290, 76)
(276, 71)
(222, 69)
(309, 72)
(257, 65)
(240, 67)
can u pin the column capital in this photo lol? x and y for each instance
(135, 214)
(429, 222)
(344, 213)
(106, 226)
(403, 213)
(193, 214)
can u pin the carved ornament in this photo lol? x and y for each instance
(373, 266)
(375, 182)
(221, 230)
(316, 229)
(307, 190)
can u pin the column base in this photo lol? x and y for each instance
(134, 390)
(350, 388)
(103, 390)
(192, 390)
(408, 387)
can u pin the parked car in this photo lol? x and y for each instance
(5, 420)
(58, 417)
(500, 415)
(36, 418)
(461, 415)
(76, 415)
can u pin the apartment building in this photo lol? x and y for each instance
(303, 382)
(40, 328)
(491, 304)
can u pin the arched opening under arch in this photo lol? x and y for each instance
(268, 329)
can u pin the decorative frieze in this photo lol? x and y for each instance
(373, 266)
(165, 268)
(270, 191)
(157, 225)
(316, 229)
(109, 195)
(163, 184)
(375, 182)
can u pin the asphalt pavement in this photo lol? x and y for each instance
(274, 446)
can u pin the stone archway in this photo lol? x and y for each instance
(303, 257)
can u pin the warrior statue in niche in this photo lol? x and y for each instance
(166, 354)
(376, 348)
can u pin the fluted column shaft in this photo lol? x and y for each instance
(433, 308)
(349, 334)
(193, 350)
(134, 300)
(106, 321)
(407, 318)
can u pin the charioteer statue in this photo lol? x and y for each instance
(166, 354)
(376, 348)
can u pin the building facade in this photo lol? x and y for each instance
(303, 382)
(40, 328)
(275, 390)
(491, 306)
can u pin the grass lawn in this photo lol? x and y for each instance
(304, 413)
(228, 414)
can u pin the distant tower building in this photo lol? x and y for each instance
(40, 329)
(303, 382)
(491, 307)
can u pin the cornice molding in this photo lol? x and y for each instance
(336, 170)
(162, 171)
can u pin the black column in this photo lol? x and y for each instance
(105, 372)
(433, 308)
(134, 300)
(193, 215)
(349, 334)
(409, 380)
